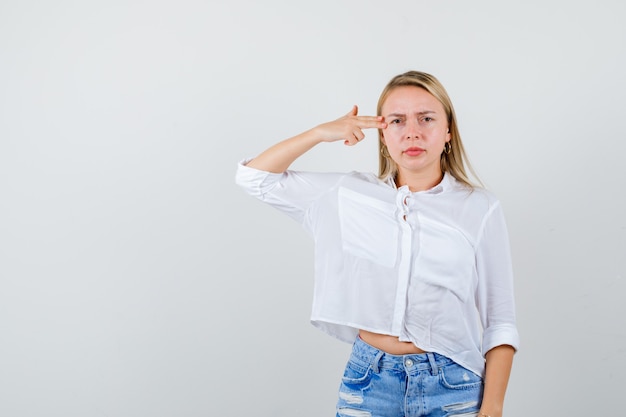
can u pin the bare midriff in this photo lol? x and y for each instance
(389, 344)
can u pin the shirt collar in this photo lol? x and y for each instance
(444, 185)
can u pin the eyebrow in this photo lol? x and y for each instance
(420, 113)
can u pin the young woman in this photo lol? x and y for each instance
(411, 266)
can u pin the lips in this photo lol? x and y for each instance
(414, 151)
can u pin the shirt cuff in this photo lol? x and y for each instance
(502, 334)
(255, 181)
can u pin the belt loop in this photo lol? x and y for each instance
(377, 358)
(433, 364)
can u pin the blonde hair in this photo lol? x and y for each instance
(454, 162)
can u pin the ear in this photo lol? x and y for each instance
(448, 136)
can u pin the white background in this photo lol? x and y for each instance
(136, 279)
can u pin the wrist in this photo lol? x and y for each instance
(490, 409)
(489, 414)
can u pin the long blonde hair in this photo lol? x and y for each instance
(455, 162)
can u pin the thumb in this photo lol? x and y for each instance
(354, 111)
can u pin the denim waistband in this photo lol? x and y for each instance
(368, 355)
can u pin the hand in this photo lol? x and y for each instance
(349, 128)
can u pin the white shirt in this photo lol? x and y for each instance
(430, 267)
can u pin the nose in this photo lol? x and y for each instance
(412, 129)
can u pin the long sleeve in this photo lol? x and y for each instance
(291, 192)
(496, 301)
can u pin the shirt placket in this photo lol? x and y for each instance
(404, 269)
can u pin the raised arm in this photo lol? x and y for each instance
(348, 128)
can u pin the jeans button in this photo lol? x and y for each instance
(408, 363)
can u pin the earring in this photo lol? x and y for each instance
(447, 148)
(384, 151)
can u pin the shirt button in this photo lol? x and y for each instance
(408, 363)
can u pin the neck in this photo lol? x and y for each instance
(418, 182)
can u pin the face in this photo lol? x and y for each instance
(417, 130)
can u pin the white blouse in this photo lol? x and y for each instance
(432, 267)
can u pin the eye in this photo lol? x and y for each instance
(395, 121)
(427, 119)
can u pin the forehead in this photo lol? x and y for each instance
(409, 99)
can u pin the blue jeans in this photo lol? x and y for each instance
(377, 384)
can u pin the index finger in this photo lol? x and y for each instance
(371, 122)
